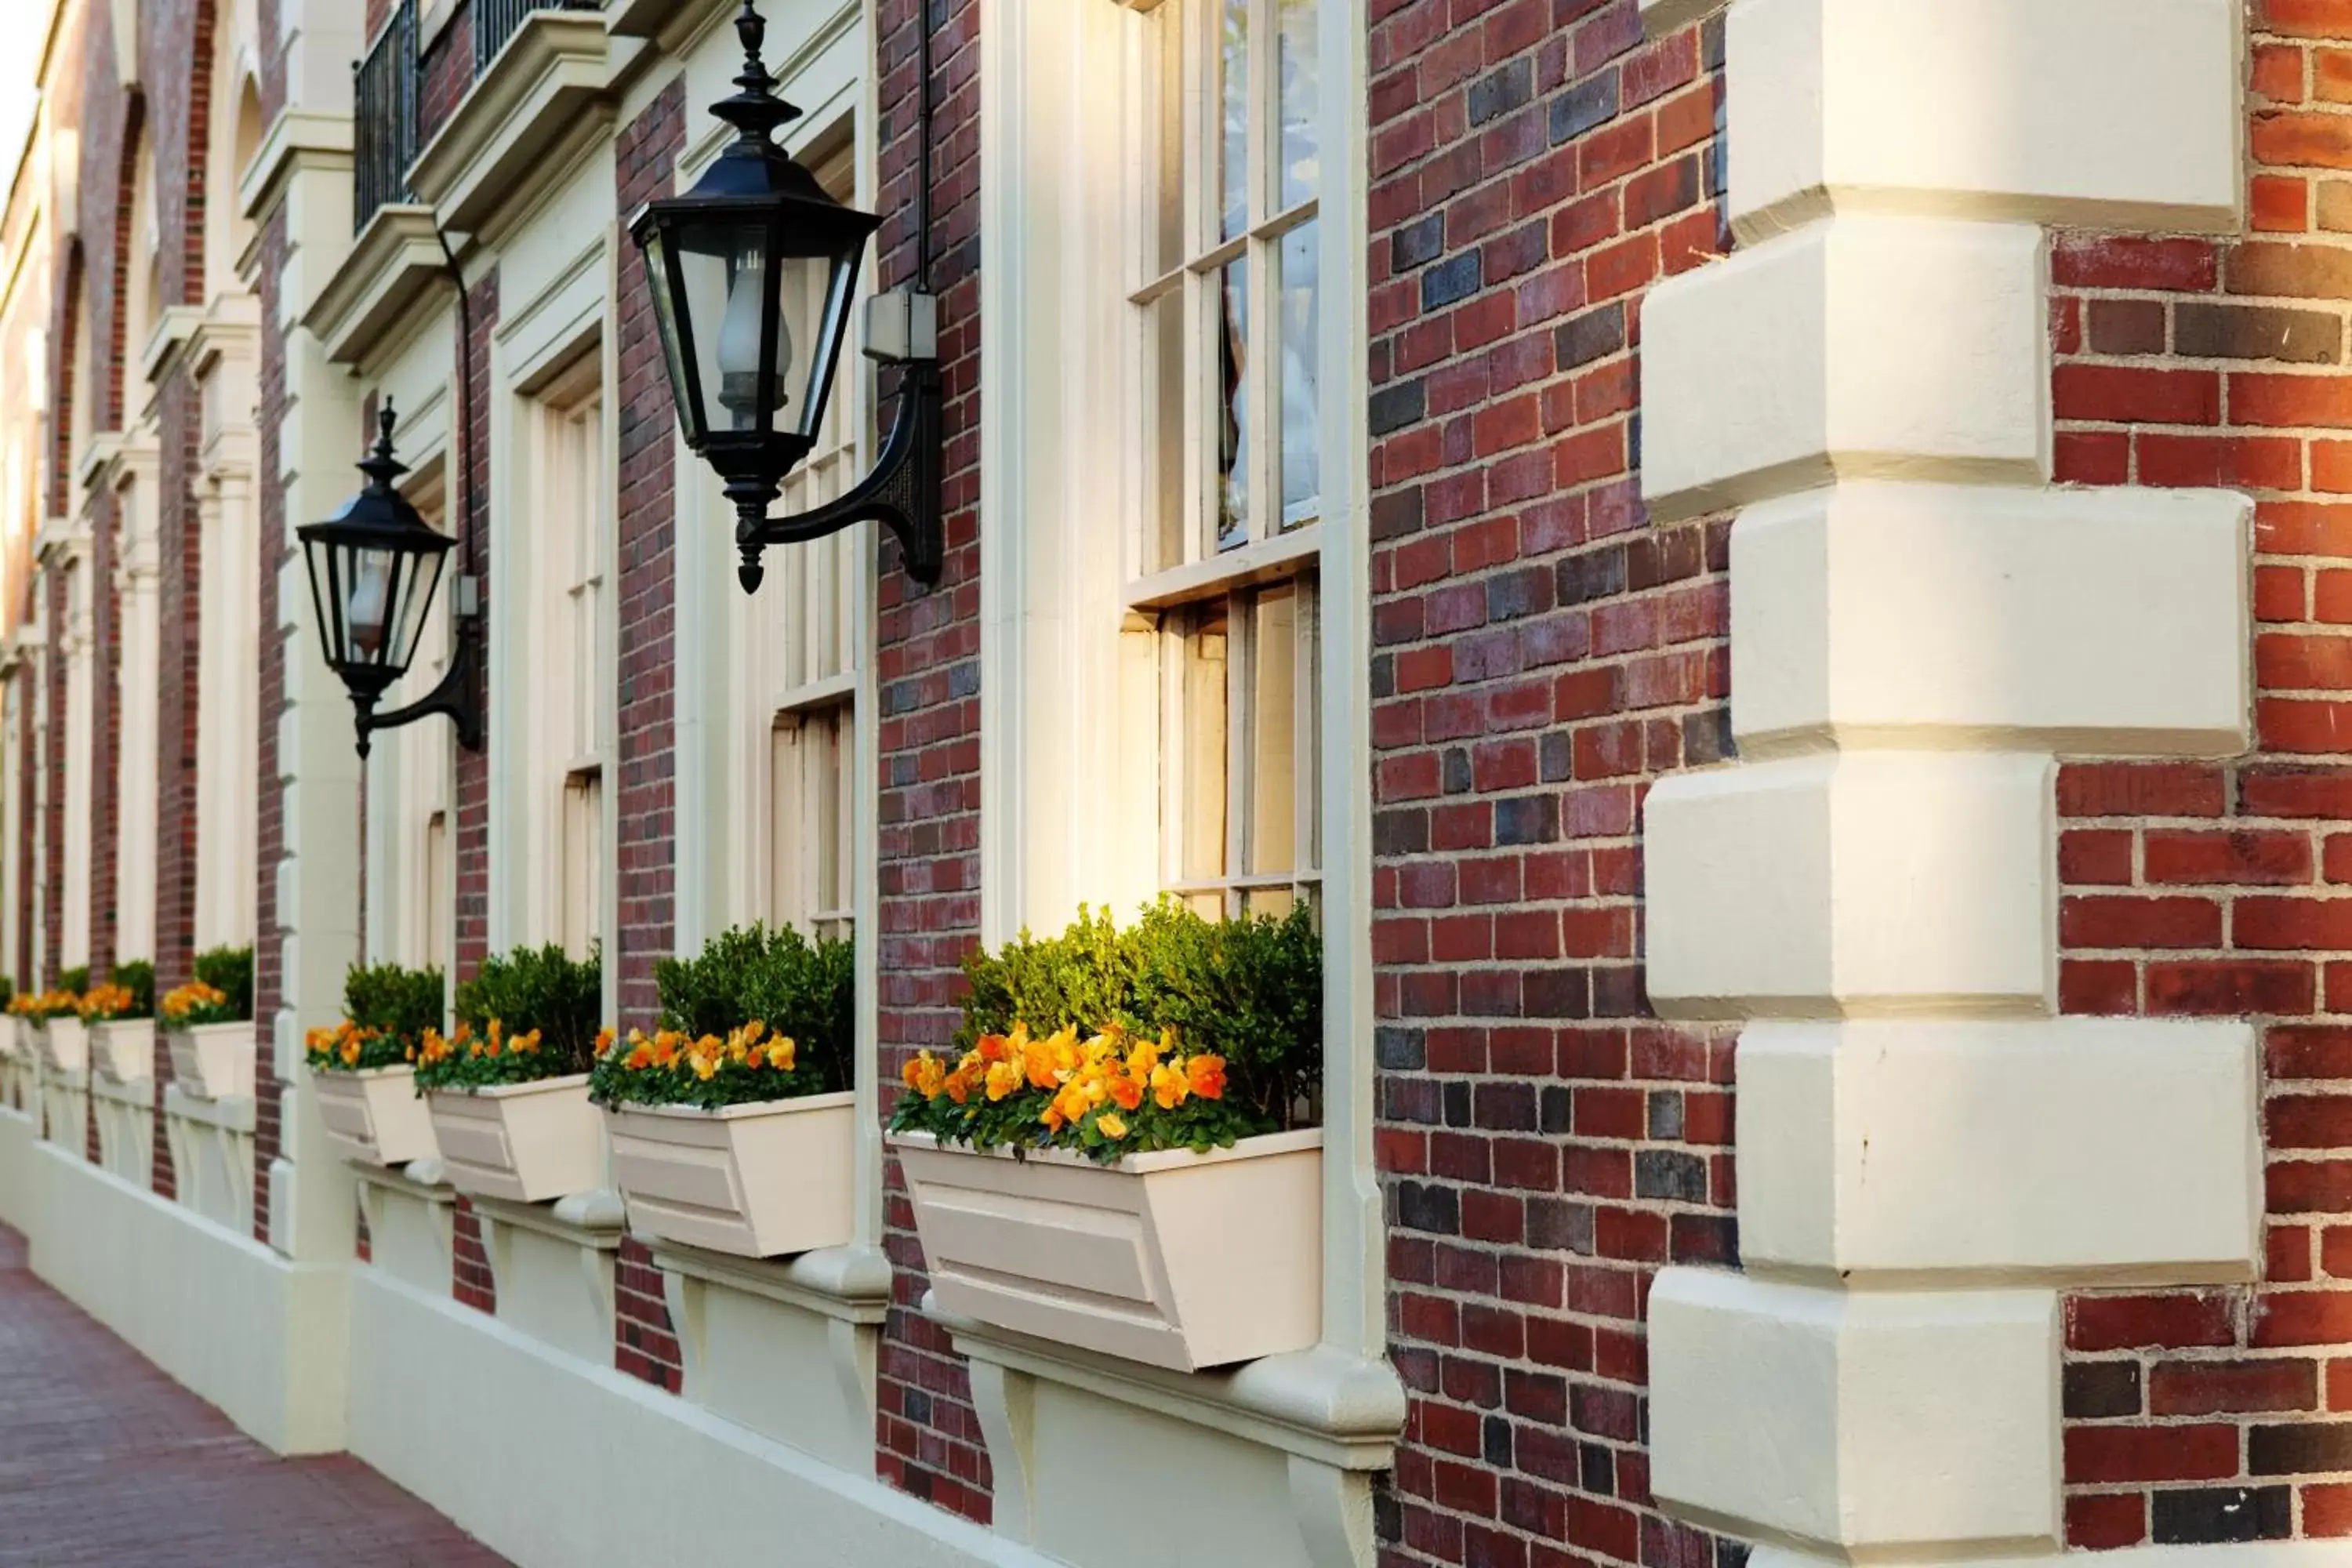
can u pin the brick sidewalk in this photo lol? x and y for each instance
(103, 1459)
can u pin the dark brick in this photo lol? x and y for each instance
(2302, 1448)
(1579, 108)
(1669, 1175)
(1501, 91)
(2258, 333)
(1595, 335)
(1450, 281)
(2211, 1514)
(2099, 1390)
(1417, 243)
(1527, 820)
(1400, 1050)
(1426, 1207)
(1395, 406)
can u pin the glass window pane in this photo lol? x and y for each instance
(1273, 730)
(1297, 56)
(1163, 393)
(1232, 405)
(1166, 119)
(584, 860)
(1233, 117)
(1302, 382)
(1199, 770)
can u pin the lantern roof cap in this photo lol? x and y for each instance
(379, 516)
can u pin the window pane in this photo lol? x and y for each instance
(1233, 405)
(1166, 119)
(1232, 116)
(1302, 384)
(584, 860)
(1300, 166)
(1199, 768)
(1273, 730)
(1163, 392)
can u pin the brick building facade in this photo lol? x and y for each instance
(1647, 770)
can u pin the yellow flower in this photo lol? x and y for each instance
(352, 1052)
(1110, 1125)
(782, 1051)
(1003, 1078)
(1169, 1087)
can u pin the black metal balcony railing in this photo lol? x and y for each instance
(384, 104)
(495, 22)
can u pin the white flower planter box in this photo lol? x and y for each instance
(758, 1180)
(214, 1061)
(1174, 1259)
(374, 1117)
(65, 1045)
(15, 1038)
(528, 1143)
(125, 1050)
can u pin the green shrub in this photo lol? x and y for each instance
(1246, 991)
(795, 989)
(528, 1015)
(400, 1004)
(229, 971)
(76, 980)
(138, 977)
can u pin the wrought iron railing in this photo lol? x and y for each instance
(384, 103)
(495, 22)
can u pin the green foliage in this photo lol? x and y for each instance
(7, 989)
(138, 977)
(229, 971)
(388, 1000)
(796, 989)
(531, 1014)
(76, 980)
(1247, 991)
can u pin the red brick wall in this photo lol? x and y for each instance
(448, 69)
(471, 1282)
(646, 801)
(269, 829)
(472, 794)
(928, 672)
(2195, 888)
(1542, 653)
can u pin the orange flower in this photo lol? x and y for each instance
(1206, 1075)
(1003, 1078)
(1037, 1059)
(352, 1052)
(959, 1086)
(605, 1041)
(1169, 1088)
(926, 1075)
(1128, 1091)
(992, 1048)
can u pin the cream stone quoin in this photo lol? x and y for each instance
(761, 1180)
(65, 1044)
(1173, 1258)
(374, 1117)
(125, 1048)
(1922, 626)
(214, 1061)
(527, 1143)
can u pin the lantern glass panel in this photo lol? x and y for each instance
(743, 282)
(683, 386)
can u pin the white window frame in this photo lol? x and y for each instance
(1068, 648)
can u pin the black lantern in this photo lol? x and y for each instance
(753, 274)
(374, 567)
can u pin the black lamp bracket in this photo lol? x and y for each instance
(902, 492)
(457, 694)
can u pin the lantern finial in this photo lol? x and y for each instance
(380, 465)
(755, 111)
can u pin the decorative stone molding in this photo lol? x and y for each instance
(126, 1126)
(411, 1217)
(543, 101)
(1920, 627)
(212, 1154)
(786, 1347)
(396, 260)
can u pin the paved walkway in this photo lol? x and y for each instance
(103, 1459)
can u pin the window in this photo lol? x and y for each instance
(565, 735)
(800, 640)
(410, 774)
(1229, 491)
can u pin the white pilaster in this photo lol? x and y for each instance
(1928, 1155)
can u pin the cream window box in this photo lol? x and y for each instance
(65, 1045)
(125, 1050)
(214, 1061)
(761, 1180)
(373, 1118)
(1174, 1259)
(525, 1143)
(126, 1125)
(212, 1154)
(15, 1042)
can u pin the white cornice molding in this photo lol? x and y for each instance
(544, 99)
(396, 260)
(298, 138)
(172, 329)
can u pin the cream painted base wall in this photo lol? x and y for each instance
(701, 1488)
(18, 1136)
(259, 1336)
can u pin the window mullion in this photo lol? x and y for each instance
(1241, 660)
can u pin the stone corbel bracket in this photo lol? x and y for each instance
(787, 1347)
(1332, 1417)
(552, 1267)
(411, 1215)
